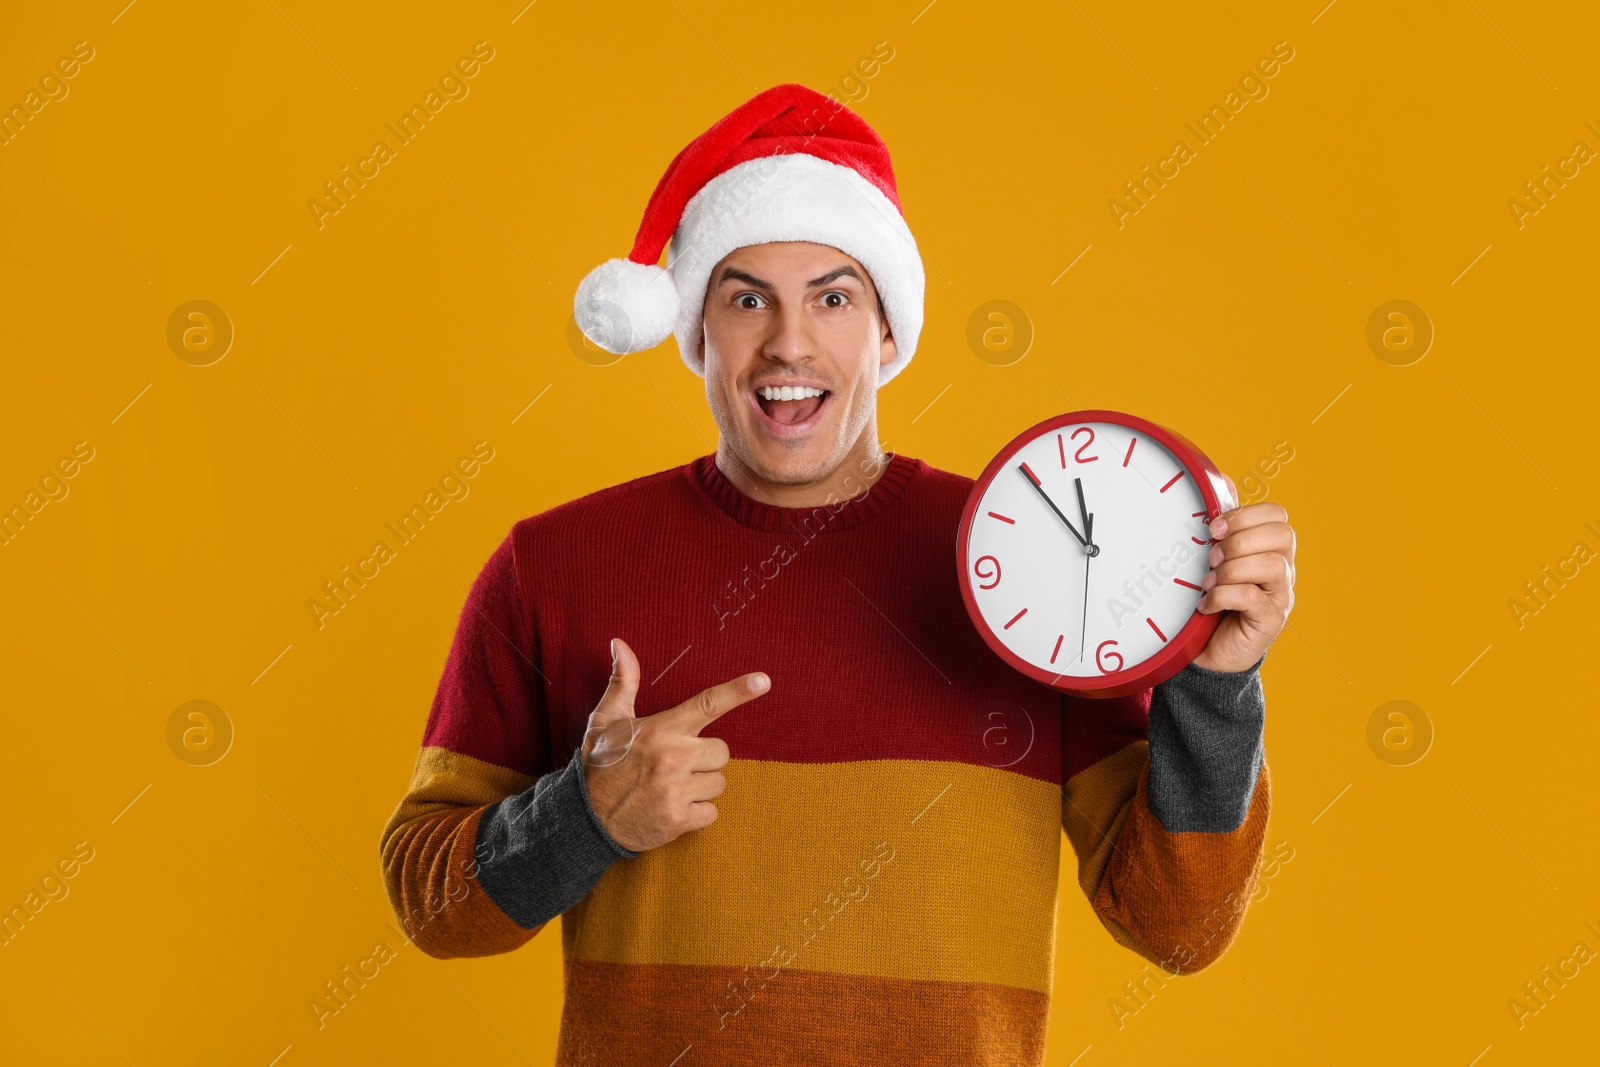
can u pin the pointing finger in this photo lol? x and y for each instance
(705, 708)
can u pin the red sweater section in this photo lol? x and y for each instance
(852, 607)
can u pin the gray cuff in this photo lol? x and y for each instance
(540, 852)
(1206, 748)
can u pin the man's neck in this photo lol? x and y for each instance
(861, 469)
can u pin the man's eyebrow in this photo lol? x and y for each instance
(837, 272)
(730, 274)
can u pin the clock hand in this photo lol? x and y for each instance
(1028, 474)
(1094, 550)
(1083, 626)
(1088, 519)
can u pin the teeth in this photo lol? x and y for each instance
(788, 392)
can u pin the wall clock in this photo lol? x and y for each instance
(1081, 550)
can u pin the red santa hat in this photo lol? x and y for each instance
(789, 164)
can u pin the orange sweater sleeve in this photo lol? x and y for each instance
(1165, 802)
(490, 841)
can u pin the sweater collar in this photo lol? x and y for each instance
(840, 515)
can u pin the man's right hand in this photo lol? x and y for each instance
(652, 779)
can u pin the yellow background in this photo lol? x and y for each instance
(428, 313)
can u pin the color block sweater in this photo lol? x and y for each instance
(880, 885)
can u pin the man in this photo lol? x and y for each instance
(732, 721)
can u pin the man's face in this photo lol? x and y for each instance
(802, 315)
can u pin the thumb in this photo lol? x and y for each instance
(624, 684)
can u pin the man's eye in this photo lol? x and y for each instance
(755, 301)
(843, 299)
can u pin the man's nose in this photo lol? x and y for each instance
(790, 339)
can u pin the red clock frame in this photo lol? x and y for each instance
(1186, 644)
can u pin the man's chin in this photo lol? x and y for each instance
(792, 470)
(790, 460)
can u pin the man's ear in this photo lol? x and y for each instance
(887, 349)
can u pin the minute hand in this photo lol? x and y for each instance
(1088, 518)
(1028, 474)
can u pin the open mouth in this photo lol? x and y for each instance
(790, 409)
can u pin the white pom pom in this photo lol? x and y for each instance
(625, 307)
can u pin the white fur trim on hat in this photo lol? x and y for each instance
(795, 197)
(624, 306)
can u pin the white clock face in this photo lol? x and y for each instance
(1063, 606)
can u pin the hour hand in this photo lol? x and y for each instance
(1083, 509)
(1033, 480)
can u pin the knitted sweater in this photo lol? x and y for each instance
(880, 885)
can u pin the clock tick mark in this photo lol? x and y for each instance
(1189, 585)
(1059, 639)
(1017, 616)
(1131, 442)
(1156, 628)
(1171, 482)
(1002, 518)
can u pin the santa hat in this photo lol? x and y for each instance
(789, 164)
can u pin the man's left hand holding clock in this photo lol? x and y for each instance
(1251, 578)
